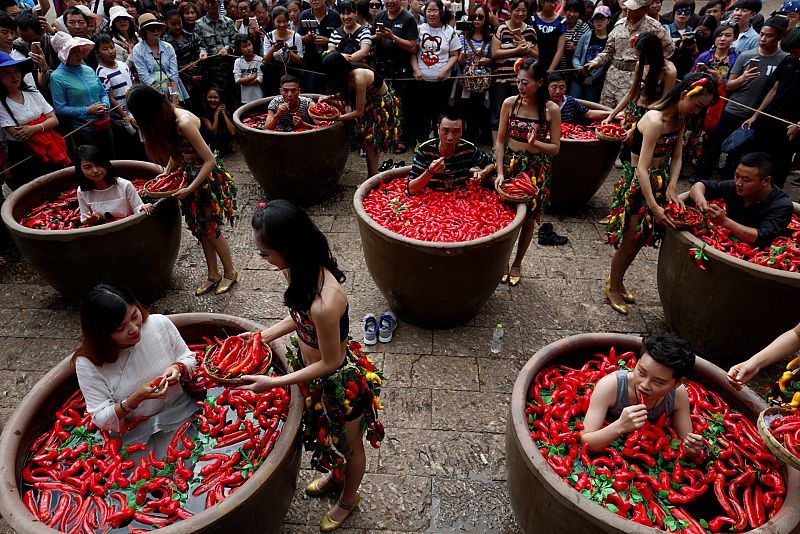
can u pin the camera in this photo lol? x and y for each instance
(464, 24)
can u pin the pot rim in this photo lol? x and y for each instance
(20, 519)
(370, 184)
(554, 484)
(68, 235)
(247, 108)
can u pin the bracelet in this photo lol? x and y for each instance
(124, 405)
(42, 125)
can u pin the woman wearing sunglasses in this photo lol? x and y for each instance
(684, 9)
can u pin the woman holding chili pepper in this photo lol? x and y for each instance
(172, 138)
(528, 139)
(652, 389)
(340, 384)
(645, 186)
(123, 349)
(784, 345)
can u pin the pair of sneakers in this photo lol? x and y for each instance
(378, 329)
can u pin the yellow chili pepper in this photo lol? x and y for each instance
(792, 364)
(308, 403)
(372, 377)
(347, 406)
(783, 382)
(795, 400)
(318, 406)
(377, 402)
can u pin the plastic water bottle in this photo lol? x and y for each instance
(497, 339)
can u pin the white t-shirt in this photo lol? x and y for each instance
(243, 68)
(435, 45)
(34, 106)
(120, 200)
(293, 43)
(159, 347)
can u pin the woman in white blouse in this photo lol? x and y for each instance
(123, 349)
(282, 48)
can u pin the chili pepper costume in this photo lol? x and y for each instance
(380, 124)
(539, 166)
(627, 199)
(206, 210)
(333, 400)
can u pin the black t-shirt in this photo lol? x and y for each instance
(770, 216)
(390, 59)
(786, 103)
(312, 57)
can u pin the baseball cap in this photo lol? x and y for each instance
(605, 11)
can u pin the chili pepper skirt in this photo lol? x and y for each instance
(633, 112)
(207, 209)
(539, 167)
(333, 400)
(627, 200)
(379, 127)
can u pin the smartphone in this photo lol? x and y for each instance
(280, 43)
(253, 22)
(380, 25)
(752, 63)
(701, 65)
(36, 48)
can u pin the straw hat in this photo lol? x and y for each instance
(148, 19)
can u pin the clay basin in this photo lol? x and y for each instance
(433, 285)
(543, 503)
(303, 167)
(730, 311)
(137, 252)
(273, 483)
(581, 167)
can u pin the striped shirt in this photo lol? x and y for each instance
(571, 109)
(457, 167)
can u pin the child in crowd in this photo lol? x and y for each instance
(289, 111)
(247, 69)
(589, 87)
(101, 195)
(653, 388)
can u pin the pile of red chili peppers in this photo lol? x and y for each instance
(258, 122)
(463, 214)
(63, 213)
(783, 254)
(238, 356)
(170, 182)
(643, 475)
(79, 479)
(577, 131)
(787, 431)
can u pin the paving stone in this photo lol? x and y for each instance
(471, 506)
(440, 372)
(475, 410)
(406, 407)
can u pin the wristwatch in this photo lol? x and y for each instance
(124, 405)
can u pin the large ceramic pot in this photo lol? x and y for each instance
(263, 500)
(731, 310)
(278, 159)
(137, 252)
(543, 503)
(433, 285)
(580, 168)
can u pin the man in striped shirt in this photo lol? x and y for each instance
(446, 162)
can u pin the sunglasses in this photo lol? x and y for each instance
(683, 11)
(477, 16)
(373, 5)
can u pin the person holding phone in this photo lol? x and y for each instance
(316, 26)
(283, 48)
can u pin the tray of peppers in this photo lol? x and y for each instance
(578, 131)
(236, 356)
(165, 186)
(463, 214)
(322, 111)
(684, 218)
(77, 478)
(63, 212)
(643, 476)
(611, 132)
(780, 430)
(783, 253)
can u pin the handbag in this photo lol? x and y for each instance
(477, 77)
(739, 138)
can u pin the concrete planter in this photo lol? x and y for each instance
(581, 167)
(729, 311)
(543, 503)
(274, 482)
(137, 252)
(303, 167)
(433, 285)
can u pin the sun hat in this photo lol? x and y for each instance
(63, 43)
(88, 12)
(633, 5)
(118, 11)
(25, 65)
(603, 11)
(148, 19)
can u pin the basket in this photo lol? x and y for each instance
(324, 119)
(780, 452)
(682, 225)
(235, 381)
(513, 198)
(160, 194)
(610, 138)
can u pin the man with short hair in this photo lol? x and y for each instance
(744, 11)
(29, 29)
(446, 162)
(756, 211)
(622, 55)
(715, 8)
(315, 41)
(215, 35)
(76, 22)
(289, 111)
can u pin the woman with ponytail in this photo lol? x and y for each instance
(645, 187)
(528, 138)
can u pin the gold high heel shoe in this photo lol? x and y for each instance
(327, 524)
(208, 285)
(627, 296)
(225, 287)
(514, 280)
(313, 489)
(621, 308)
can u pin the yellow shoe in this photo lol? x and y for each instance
(514, 280)
(627, 296)
(313, 489)
(504, 279)
(208, 285)
(328, 525)
(226, 284)
(621, 308)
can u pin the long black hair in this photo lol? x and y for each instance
(96, 156)
(486, 34)
(22, 87)
(284, 227)
(157, 121)
(538, 71)
(651, 53)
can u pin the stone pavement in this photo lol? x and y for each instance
(441, 468)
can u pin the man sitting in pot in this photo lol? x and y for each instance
(289, 111)
(446, 162)
(756, 211)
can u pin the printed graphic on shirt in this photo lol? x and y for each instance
(430, 49)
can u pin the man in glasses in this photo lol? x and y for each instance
(744, 11)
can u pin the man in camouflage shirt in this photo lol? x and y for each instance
(215, 33)
(622, 55)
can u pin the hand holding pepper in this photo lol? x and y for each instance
(661, 217)
(258, 383)
(692, 444)
(632, 418)
(145, 392)
(741, 373)
(172, 374)
(436, 166)
(717, 214)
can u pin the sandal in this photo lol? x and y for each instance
(208, 285)
(225, 287)
(327, 524)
